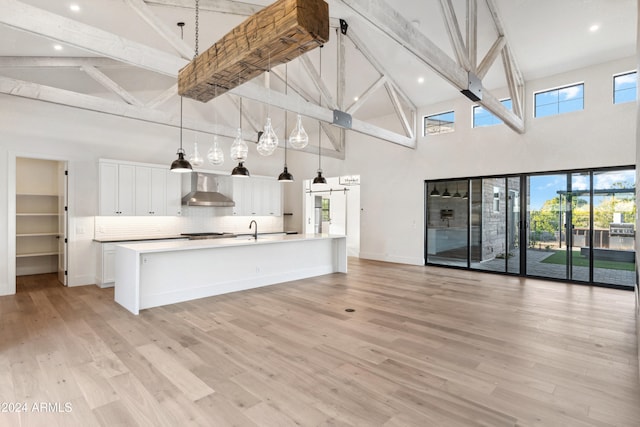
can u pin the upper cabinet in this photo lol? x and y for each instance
(117, 191)
(127, 189)
(257, 197)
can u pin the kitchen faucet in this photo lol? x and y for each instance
(255, 232)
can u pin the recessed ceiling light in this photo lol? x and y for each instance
(74, 7)
(420, 80)
(355, 98)
(57, 47)
(594, 28)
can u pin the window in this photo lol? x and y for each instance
(326, 211)
(558, 101)
(624, 87)
(483, 117)
(438, 123)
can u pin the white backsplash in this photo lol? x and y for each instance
(193, 220)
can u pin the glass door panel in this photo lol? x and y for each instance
(546, 222)
(513, 225)
(614, 212)
(578, 235)
(447, 223)
(489, 248)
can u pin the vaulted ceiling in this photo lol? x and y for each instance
(391, 65)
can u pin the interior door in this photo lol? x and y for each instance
(338, 213)
(62, 222)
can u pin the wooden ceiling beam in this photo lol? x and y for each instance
(277, 34)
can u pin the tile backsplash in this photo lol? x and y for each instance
(193, 220)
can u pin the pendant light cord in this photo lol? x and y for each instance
(319, 122)
(197, 27)
(181, 124)
(286, 113)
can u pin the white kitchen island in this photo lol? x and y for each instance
(154, 274)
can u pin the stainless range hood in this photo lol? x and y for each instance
(203, 191)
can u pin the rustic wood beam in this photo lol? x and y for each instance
(27, 18)
(108, 83)
(158, 25)
(277, 34)
(390, 22)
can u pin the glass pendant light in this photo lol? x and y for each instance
(285, 176)
(298, 137)
(215, 155)
(268, 141)
(239, 150)
(196, 159)
(320, 179)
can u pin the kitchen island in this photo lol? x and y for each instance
(160, 273)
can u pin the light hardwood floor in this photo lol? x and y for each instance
(425, 347)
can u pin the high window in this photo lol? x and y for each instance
(483, 117)
(439, 123)
(624, 87)
(558, 101)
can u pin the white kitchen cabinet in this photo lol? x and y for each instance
(257, 197)
(174, 193)
(106, 260)
(151, 191)
(116, 189)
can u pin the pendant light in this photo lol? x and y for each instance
(298, 137)
(457, 195)
(196, 159)
(268, 141)
(446, 193)
(320, 179)
(434, 192)
(285, 176)
(181, 165)
(215, 155)
(239, 150)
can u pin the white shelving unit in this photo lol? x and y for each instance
(36, 233)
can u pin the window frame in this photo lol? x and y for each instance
(613, 86)
(557, 88)
(500, 121)
(426, 117)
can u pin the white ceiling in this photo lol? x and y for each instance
(546, 37)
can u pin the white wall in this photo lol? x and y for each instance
(392, 199)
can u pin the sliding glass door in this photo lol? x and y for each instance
(577, 226)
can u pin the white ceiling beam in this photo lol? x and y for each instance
(390, 22)
(219, 6)
(491, 56)
(455, 35)
(27, 18)
(366, 95)
(397, 106)
(163, 97)
(378, 65)
(472, 33)
(67, 98)
(57, 62)
(254, 91)
(163, 30)
(106, 82)
(318, 82)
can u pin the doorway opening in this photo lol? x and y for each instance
(41, 218)
(334, 208)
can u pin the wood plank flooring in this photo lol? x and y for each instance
(425, 346)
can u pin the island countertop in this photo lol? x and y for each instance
(152, 274)
(243, 240)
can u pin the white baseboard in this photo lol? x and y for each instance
(390, 258)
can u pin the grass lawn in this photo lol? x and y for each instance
(560, 257)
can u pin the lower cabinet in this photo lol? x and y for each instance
(106, 261)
